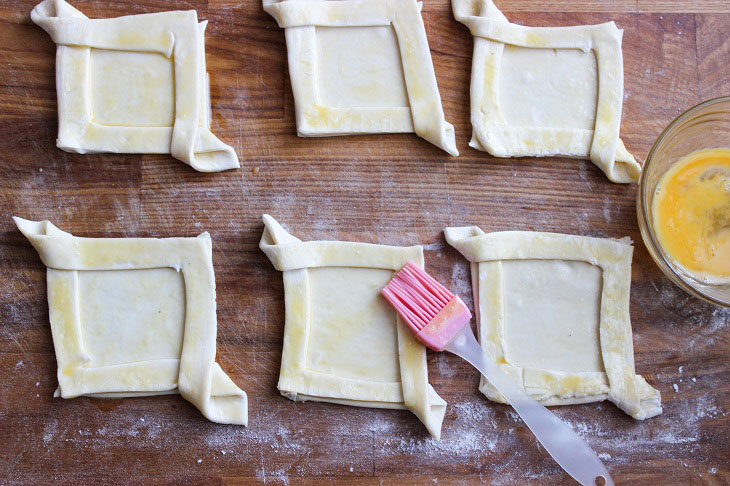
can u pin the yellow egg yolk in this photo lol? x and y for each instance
(691, 213)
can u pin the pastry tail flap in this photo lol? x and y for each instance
(209, 154)
(616, 162)
(38, 229)
(222, 401)
(48, 15)
(277, 243)
(431, 413)
(639, 410)
(448, 139)
(444, 137)
(472, 8)
(54, 9)
(38, 233)
(637, 398)
(626, 167)
(31, 228)
(275, 234)
(215, 160)
(440, 133)
(229, 402)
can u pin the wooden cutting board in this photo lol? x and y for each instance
(393, 189)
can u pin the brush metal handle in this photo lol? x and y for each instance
(571, 452)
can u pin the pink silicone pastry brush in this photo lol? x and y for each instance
(440, 320)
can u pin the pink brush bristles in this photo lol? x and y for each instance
(416, 296)
(433, 313)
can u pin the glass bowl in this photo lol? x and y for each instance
(706, 126)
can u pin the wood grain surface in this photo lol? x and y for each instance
(391, 189)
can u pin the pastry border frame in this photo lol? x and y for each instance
(176, 35)
(294, 258)
(424, 116)
(295, 377)
(619, 382)
(490, 132)
(208, 387)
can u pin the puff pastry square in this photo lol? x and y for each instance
(361, 66)
(545, 91)
(134, 84)
(135, 317)
(553, 313)
(342, 342)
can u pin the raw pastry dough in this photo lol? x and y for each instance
(342, 342)
(135, 316)
(361, 66)
(134, 84)
(542, 91)
(553, 312)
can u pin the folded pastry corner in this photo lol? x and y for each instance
(547, 91)
(133, 84)
(552, 311)
(343, 343)
(135, 317)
